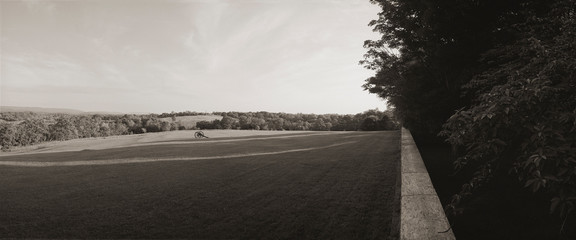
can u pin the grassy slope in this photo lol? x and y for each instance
(343, 192)
(136, 139)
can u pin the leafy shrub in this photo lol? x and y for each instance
(524, 119)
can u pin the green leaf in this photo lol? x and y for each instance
(529, 182)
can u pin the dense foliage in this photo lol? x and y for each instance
(524, 115)
(314, 122)
(428, 50)
(26, 128)
(22, 129)
(496, 78)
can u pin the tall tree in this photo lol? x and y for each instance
(499, 74)
(523, 118)
(428, 50)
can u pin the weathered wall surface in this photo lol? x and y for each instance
(421, 214)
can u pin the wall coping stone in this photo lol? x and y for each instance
(421, 214)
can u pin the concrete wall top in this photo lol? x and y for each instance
(421, 214)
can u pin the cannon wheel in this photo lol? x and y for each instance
(199, 134)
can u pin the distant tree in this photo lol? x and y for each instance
(328, 126)
(370, 123)
(385, 123)
(63, 129)
(259, 122)
(278, 123)
(165, 126)
(229, 123)
(85, 127)
(204, 125)
(245, 122)
(33, 131)
(319, 125)
(118, 128)
(7, 135)
(152, 124)
(104, 129)
(216, 124)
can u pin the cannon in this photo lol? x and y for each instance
(199, 134)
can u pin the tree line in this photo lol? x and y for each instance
(22, 129)
(28, 128)
(371, 120)
(495, 79)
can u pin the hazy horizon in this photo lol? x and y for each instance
(205, 56)
(3, 108)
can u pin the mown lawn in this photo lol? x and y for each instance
(343, 192)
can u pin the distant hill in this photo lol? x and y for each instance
(39, 110)
(57, 110)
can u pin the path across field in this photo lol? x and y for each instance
(306, 185)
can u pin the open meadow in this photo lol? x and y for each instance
(235, 184)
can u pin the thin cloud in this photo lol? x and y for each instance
(282, 55)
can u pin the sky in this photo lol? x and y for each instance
(294, 56)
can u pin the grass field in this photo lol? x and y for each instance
(314, 185)
(98, 143)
